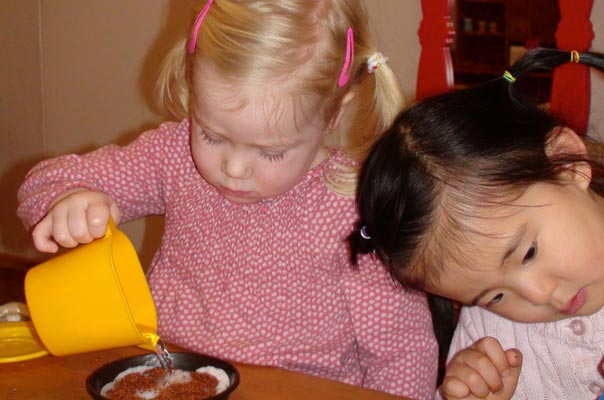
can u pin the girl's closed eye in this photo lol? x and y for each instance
(495, 300)
(211, 140)
(273, 157)
(531, 253)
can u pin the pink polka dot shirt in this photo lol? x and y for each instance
(266, 283)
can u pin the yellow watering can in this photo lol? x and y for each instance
(93, 297)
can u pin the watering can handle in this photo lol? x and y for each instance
(111, 228)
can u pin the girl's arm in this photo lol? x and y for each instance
(393, 327)
(133, 176)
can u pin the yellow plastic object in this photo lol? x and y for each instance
(18, 342)
(93, 297)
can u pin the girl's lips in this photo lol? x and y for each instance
(234, 193)
(575, 303)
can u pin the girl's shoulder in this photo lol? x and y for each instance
(327, 186)
(170, 133)
(167, 144)
(167, 149)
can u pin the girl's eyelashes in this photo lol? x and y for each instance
(495, 300)
(273, 157)
(531, 253)
(209, 140)
(214, 141)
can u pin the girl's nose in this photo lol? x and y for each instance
(236, 166)
(539, 289)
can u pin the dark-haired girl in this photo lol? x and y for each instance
(482, 197)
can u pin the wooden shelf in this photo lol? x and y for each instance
(482, 35)
(486, 1)
(479, 69)
(480, 54)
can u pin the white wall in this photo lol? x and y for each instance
(20, 111)
(395, 24)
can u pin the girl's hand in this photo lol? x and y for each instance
(76, 216)
(482, 371)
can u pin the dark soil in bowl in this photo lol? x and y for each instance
(183, 361)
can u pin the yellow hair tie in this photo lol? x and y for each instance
(509, 77)
(574, 56)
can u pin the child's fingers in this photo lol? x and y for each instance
(115, 212)
(454, 388)
(493, 350)
(97, 216)
(60, 227)
(479, 372)
(514, 357)
(78, 226)
(77, 216)
(42, 236)
(475, 370)
(510, 379)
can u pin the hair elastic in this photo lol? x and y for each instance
(574, 56)
(202, 14)
(349, 61)
(509, 77)
(375, 61)
(364, 233)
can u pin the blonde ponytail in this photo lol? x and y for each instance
(379, 98)
(172, 86)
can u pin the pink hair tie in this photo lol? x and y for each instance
(198, 21)
(349, 61)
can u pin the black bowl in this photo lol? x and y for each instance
(184, 361)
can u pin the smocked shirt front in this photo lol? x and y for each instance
(266, 283)
(561, 360)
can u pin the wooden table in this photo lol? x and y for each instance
(63, 378)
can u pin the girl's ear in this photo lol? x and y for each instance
(335, 121)
(565, 142)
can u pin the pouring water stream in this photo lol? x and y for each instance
(164, 356)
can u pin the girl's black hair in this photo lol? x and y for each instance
(444, 320)
(488, 135)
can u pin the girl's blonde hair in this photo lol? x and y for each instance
(301, 43)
